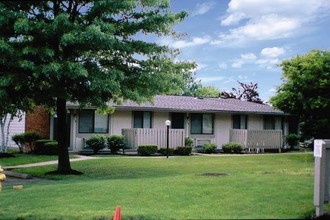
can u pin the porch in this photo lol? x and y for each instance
(151, 136)
(257, 139)
(250, 139)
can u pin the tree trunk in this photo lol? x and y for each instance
(11, 118)
(64, 166)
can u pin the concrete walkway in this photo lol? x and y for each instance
(80, 158)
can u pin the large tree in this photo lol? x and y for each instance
(90, 52)
(305, 91)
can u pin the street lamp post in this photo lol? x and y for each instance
(168, 124)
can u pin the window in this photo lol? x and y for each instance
(92, 122)
(269, 122)
(240, 121)
(142, 120)
(201, 123)
(177, 120)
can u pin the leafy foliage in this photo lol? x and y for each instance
(46, 147)
(88, 52)
(30, 137)
(305, 91)
(115, 142)
(183, 150)
(232, 148)
(209, 148)
(188, 142)
(147, 150)
(96, 142)
(163, 151)
(292, 139)
(19, 141)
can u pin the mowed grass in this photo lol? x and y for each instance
(19, 159)
(257, 186)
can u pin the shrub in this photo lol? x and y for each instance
(27, 140)
(96, 142)
(146, 150)
(232, 148)
(19, 141)
(183, 150)
(115, 143)
(188, 142)
(46, 147)
(163, 151)
(292, 140)
(209, 148)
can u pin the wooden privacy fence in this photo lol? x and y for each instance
(152, 136)
(261, 139)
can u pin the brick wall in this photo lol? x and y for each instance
(38, 120)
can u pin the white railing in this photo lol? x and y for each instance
(262, 139)
(152, 136)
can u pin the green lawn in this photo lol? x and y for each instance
(19, 159)
(257, 186)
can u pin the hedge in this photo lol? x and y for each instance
(232, 148)
(147, 150)
(46, 147)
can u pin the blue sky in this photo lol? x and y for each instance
(245, 40)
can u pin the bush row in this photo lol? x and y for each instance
(31, 142)
(113, 142)
(147, 150)
(232, 148)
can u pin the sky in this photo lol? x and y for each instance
(246, 40)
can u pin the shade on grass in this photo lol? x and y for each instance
(260, 186)
(19, 159)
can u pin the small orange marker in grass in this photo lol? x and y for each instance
(117, 215)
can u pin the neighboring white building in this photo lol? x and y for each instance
(17, 126)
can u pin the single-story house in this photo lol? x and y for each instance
(206, 120)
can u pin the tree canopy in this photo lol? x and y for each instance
(88, 52)
(305, 91)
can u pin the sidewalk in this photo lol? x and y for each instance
(80, 158)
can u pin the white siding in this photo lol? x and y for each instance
(17, 126)
(120, 120)
(222, 126)
(159, 119)
(255, 122)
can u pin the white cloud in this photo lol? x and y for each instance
(233, 19)
(248, 56)
(202, 8)
(245, 58)
(272, 51)
(269, 57)
(268, 19)
(222, 65)
(211, 79)
(179, 44)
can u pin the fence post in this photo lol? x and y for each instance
(321, 175)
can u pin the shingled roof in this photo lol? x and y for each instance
(192, 104)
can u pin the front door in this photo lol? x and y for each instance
(177, 120)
